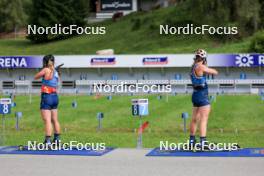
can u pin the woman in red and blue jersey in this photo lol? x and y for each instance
(49, 99)
(200, 100)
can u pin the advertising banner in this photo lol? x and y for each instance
(114, 5)
(134, 61)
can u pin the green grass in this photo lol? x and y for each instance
(124, 39)
(244, 112)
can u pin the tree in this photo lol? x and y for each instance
(47, 13)
(248, 12)
(261, 13)
(12, 15)
(247, 15)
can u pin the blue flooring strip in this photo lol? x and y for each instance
(15, 150)
(246, 152)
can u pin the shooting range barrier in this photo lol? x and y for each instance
(17, 150)
(159, 97)
(13, 104)
(18, 116)
(100, 117)
(212, 98)
(246, 152)
(261, 94)
(74, 102)
(184, 116)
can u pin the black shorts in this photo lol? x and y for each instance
(200, 98)
(49, 101)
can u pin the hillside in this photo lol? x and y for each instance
(137, 33)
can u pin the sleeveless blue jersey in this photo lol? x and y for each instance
(53, 82)
(198, 81)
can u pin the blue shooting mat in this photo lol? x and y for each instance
(246, 152)
(15, 150)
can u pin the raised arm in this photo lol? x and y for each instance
(40, 74)
(45, 72)
(208, 70)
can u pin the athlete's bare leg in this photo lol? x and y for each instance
(55, 122)
(46, 117)
(204, 115)
(194, 121)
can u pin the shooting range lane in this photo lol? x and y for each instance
(84, 152)
(246, 152)
(129, 162)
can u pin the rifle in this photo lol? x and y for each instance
(57, 68)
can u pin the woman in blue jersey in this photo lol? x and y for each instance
(200, 100)
(49, 99)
